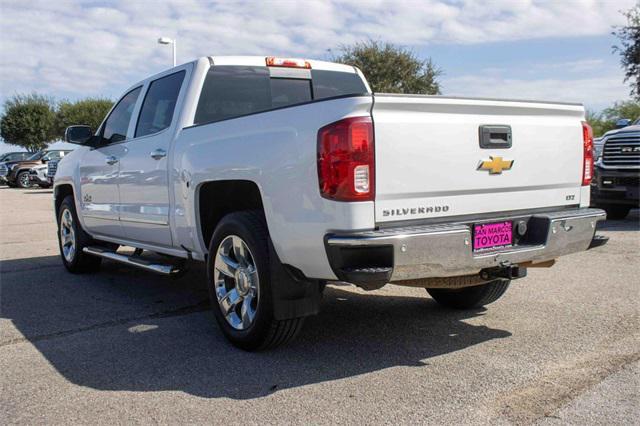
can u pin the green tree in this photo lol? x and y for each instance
(629, 49)
(28, 121)
(392, 69)
(89, 111)
(606, 120)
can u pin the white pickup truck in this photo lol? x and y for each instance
(285, 174)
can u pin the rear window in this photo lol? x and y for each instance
(234, 91)
(329, 84)
(289, 91)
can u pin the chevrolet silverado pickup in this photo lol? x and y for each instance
(283, 175)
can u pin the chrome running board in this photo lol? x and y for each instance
(138, 262)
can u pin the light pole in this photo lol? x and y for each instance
(172, 42)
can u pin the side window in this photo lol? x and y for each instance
(115, 128)
(159, 104)
(328, 84)
(231, 91)
(52, 155)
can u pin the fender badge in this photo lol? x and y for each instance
(495, 165)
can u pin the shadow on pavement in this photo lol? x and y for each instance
(630, 223)
(123, 329)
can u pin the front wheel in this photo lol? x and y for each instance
(470, 297)
(239, 281)
(22, 180)
(72, 240)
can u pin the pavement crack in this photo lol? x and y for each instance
(184, 310)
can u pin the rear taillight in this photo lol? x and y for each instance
(587, 162)
(346, 160)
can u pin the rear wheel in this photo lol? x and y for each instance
(22, 180)
(239, 281)
(617, 211)
(72, 240)
(470, 297)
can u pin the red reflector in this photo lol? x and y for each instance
(272, 61)
(346, 168)
(587, 162)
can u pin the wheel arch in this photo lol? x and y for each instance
(215, 199)
(60, 192)
(21, 170)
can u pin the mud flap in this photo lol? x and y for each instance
(293, 297)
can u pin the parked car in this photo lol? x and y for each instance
(38, 176)
(16, 173)
(616, 185)
(14, 156)
(285, 174)
(11, 156)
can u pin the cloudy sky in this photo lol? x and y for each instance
(558, 50)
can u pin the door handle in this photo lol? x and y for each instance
(158, 154)
(111, 160)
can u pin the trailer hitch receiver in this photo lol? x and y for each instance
(505, 271)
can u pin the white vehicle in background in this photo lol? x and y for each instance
(38, 175)
(285, 174)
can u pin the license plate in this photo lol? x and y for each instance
(492, 235)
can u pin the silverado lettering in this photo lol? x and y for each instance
(415, 211)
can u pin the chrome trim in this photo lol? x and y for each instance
(446, 250)
(153, 267)
(144, 213)
(158, 154)
(146, 219)
(111, 160)
(611, 156)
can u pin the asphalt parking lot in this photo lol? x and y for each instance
(128, 346)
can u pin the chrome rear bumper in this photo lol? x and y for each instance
(445, 250)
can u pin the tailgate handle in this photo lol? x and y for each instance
(495, 136)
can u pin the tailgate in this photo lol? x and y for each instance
(430, 163)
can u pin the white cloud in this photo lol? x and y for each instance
(595, 92)
(86, 47)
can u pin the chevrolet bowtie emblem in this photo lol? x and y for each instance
(495, 165)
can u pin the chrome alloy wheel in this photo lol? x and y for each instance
(24, 180)
(236, 282)
(67, 236)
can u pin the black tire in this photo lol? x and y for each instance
(470, 297)
(617, 211)
(264, 331)
(79, 262)
(22, 180)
